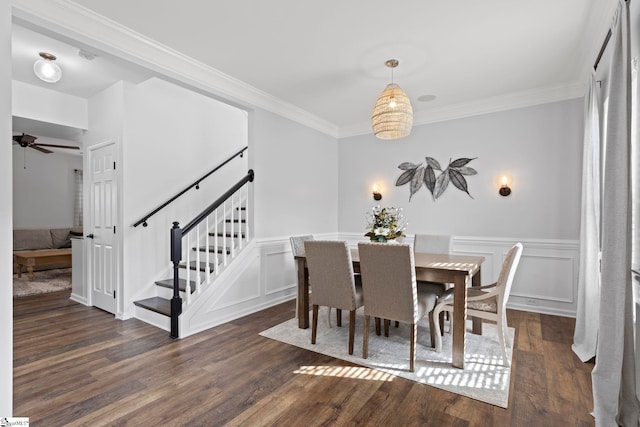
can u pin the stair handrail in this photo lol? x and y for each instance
(178, 233)
(195, 184)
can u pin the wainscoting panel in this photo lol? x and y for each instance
(545, 282)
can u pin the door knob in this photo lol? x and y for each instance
(90, 236)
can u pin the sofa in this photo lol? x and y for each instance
(45, 238)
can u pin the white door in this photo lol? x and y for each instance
(101, 237)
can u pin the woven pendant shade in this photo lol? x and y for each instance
(392, 116)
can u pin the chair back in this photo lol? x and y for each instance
(389, 281)
(331, 274)
(505, 280)
(297, 244)
(432, 243)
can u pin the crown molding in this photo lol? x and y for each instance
(75, 22)
(483, 106)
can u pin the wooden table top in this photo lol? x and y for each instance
(40, 253)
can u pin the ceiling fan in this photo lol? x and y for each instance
(25, 141)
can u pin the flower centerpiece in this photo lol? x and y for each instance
(385, 224)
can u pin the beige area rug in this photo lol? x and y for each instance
(43, 282)
(484, 377)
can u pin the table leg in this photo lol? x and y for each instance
(19, 269)
(459, 316)
(303, 295)
(476, 321)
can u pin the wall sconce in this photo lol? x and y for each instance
(504, 190)
(376, 192)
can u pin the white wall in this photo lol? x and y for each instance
(44, 192)
(6, 213)
(296, 183)
(51, 106)
(172, 137)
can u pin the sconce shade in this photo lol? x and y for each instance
(46, 69)
(392, 116)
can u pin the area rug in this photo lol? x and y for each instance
(43, 282)
(484, 377)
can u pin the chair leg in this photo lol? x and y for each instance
(435, 315)
(378, 326)
(365, 338)
(432, 329)
(339, 316)
(352, 329)
(412, 355)
(397, 323)
(387, 322)
(442, 316)
(314, 324)
(503, 339)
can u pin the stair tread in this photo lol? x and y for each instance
(156, 304)
(202, 267)
(182, 284)
(213, 250)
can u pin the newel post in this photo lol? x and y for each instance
(176, 257)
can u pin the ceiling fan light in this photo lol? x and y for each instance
(392, 116)
(47, 70)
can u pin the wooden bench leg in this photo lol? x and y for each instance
(30, 264)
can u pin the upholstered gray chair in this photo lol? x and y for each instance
(390, 290)
(333, 281)
(487, 302)
(434, 244)
(297, 244)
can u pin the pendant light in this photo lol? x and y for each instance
(392, 116)
(46, 69)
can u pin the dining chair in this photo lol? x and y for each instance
(297, 244)
(487, 302)
(390, 290)
(434, 244)
(297, 249)
(334, 283)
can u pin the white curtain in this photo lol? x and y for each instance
(614, 391)
(586, 332)
(77, 201)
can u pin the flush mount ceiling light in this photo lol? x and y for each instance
(46, 69)
(392, 116)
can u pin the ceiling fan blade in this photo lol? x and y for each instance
(44, 150)
(55, 146)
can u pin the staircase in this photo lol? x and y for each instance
(208, 245)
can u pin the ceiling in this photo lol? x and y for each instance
(327, 58)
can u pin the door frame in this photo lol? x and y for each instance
(87, 220)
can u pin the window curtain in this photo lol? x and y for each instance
(77, 200)
(613, 377)
(586, 330)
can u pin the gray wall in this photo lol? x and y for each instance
(539, 147)
(44, 192)
(296, 187)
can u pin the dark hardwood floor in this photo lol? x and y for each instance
(78, 366)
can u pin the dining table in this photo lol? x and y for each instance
(460, 270)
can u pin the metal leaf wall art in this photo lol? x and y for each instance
(417, 174)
